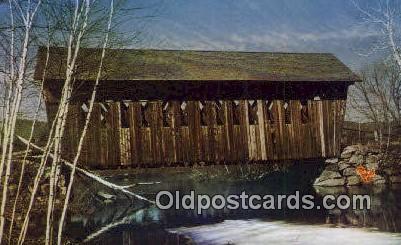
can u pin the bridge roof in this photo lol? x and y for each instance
(186, 65)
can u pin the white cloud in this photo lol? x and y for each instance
(294, 39)
(178, 36)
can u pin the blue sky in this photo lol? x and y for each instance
(260, 25)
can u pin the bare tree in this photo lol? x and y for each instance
(378, 97)
(85, 129)
(27, 14)
(74, 24)
(384, 15)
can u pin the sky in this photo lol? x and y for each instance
(333, 26)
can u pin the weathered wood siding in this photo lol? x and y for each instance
(170, 133)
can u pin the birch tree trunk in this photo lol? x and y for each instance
(87, 120)
(8, 91)
(28, 146)
(15, 106)
(60, 125)
(54, 142)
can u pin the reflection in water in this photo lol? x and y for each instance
(131, 235)
(125, 224)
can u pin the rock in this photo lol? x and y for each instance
(330, 182)
(332, 167)
(363, 150)
(391, 171)
(349, 151)
(332, 161)
(386, 164)
(356, 159)
(378, 179)
(349, 172)
(395, 179)
(373, 166)
(353, 180)
(346, 154)
(374, 150)
(331, 190)
(343, 165)
(351, 148)
(372, 159)
(329, 175)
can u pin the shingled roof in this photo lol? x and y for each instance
(165, 65)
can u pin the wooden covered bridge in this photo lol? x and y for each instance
(166, 108)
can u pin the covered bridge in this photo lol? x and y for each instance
(167, 107)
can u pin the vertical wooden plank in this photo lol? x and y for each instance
(341, 116)
(167, 134)
(114, 133)
(95, 135)
(244, 120)
(321, 127)
(212, 128)
(153, 153)
(175, 130)
(222, 137)
(156, 126)
(316, 148)
(262, 131)
(274, 131)
(135, 140)
(180, 147)
(318, 129)
(329, 120)
(204, 142)
(307, 131)
(229, 128)
(146, 133)
(173, 113)
(253, 145)
(185, 146)
(292, 148)
(239, 145)
(125, 147)
(146, 148)
(194, 130)
(281, 146)
(334, 124)
(252, 133)
(268, 131)
(297, 147)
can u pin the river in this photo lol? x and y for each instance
(124, 223)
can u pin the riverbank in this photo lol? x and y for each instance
(37, 225)
(363, 165)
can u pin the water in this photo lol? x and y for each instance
(258, 231)
(123, 223)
